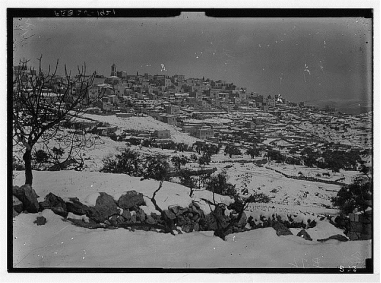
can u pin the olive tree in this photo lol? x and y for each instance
(42, 101)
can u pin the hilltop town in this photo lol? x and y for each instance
(221, 112)
(173, 109)
(194, 144)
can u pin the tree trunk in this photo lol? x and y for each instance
(28, 167)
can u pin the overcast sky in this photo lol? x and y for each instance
(303, 59)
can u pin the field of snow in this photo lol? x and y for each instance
(60, 244)
(146, 123)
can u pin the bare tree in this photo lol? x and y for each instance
(42, 101)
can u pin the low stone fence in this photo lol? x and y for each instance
(305, 178)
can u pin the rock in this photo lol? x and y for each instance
(169, 214)
(180, 220)
(104, 208)
(338, 237)
(196, 204)
(133, 218)
(55, 167)
(140, 215)
(353, 236)
(303, 233)
(174, 209)
(211, 222)
(187, 228)
(15, 213)
(242, 222)
(41, 220)
(28, 197)
(196, 227)
(281, 230)
(126, 214)
(182, 210)
(56, 204)
(114, 220)
(131, 199)
(76, 207)
(150, 220)
(59, 211)
(17, 205)
(120, 219)
(195, 218)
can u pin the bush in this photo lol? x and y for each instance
(41, 156)
(157, 167)
(219, 185)
(357, 195)
(232, 150)
(128, 162)
(133, 141)
(204, 159)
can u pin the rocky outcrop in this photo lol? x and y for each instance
(28, 197)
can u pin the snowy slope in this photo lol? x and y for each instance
(61, 244)
(145, 123)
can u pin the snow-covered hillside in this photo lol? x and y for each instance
(143, 123)
(60, 244)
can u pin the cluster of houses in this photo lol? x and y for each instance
(187, 103)
(177, 100)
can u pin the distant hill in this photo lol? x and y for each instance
(349, 106)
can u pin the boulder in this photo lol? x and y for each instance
(140, 215)
(56, 204)
(242, 222)
(133, 218)
(120, 219)
(114, 220)
(150, 220)
(104, 208)
(303, 233)
(169, 214)
(41, 220)
(126, 214)
(174, 209)
(76, 207)
(196, 227)
(17, 205)
(28, 197)
(281, 230)
(196, 204)
(131, 199)
(187, 228)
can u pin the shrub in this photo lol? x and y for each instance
(128, 162)
(157, 167)
(357, 195)
(219, 185)
(41, 156)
